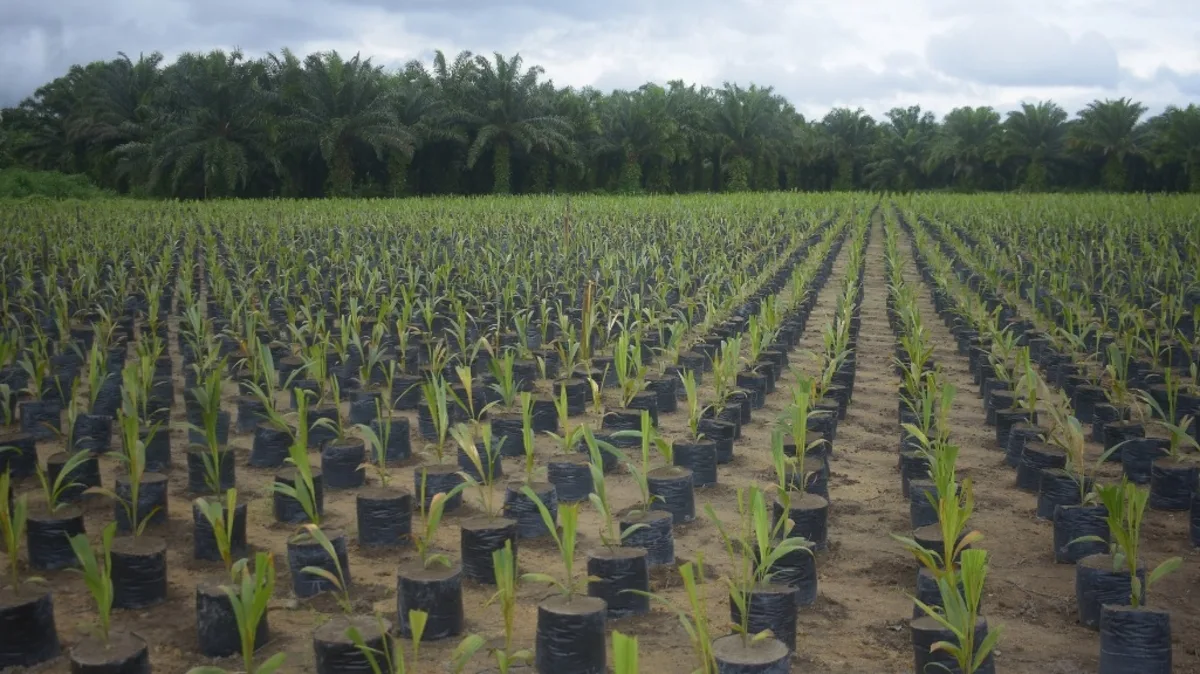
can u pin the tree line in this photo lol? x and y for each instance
(219, 124)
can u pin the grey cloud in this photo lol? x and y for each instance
(818, 53)
(39, 42)
(811, 87)
(1023, 52)
(1186, 83)
(463, 10)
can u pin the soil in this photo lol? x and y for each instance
(576, 606)
(433, 574)
(733, 651)
(26, 593)
(120, 648)
(860, 620)
(334, 631)
(142, 546)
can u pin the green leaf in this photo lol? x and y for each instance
(323, 573)
(272, 664)
(466, 650)
(625, 654)
(534, 577)
(1166, 567)
(985, 647)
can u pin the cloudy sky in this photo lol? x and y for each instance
(819, 53)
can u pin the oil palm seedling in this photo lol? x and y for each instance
(567, 617)
(505, 654)
(249, 595)
(390, 659)
(759, 609)
(955, 629)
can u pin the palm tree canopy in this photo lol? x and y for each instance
(216, 123)
(747, 121)
(1111, 126)
(505, 107)
(323, 124)
(1037, 130)
(343, 103)
(968, 139)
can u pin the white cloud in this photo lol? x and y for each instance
(1018, 51)
(818, 53)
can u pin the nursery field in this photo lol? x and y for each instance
(760, 433)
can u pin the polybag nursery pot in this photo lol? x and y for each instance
(437, 591)
(571, 635)
(27, 633)
(384, 516)
(613, 573)
(479, 537)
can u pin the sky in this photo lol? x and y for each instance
(873, 54)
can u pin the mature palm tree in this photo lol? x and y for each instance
(968, 140)
(41, 125)
(748, 128)
(1111, 129)
(1036, 136)
(439, 162)
(899, 155)
(1180, 141)
(425, 112)
(118, 106)
(216, 131)
(507, 112)
(692, 108)
(848, 136)
(637, 125)
(120, 111)
(345, 108)
(581, 108)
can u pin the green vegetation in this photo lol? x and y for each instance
(220, 124)
(19, 183)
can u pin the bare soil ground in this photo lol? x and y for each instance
(859, 623)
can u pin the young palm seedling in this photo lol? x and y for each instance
(1172, 474)
(120, 651)
(336, 578)
(52, 521)
(1126, 506)
(440, 476)
(388, 658)
(432, 583)
(760, 610)
(483, 535)
(516, 506)
(140, 495)
(1127, 625)
(225, 522)
(384, 512)
(506, 598)
(249, 595)
(13, 513)
(210, 463)
(695, 621)
(314, 556)
(618, 572)
(298, 494)
(570, 626)
(955, 628)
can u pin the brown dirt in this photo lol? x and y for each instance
(859, 622)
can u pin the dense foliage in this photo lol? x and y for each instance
(17, 183)
(222, 124)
